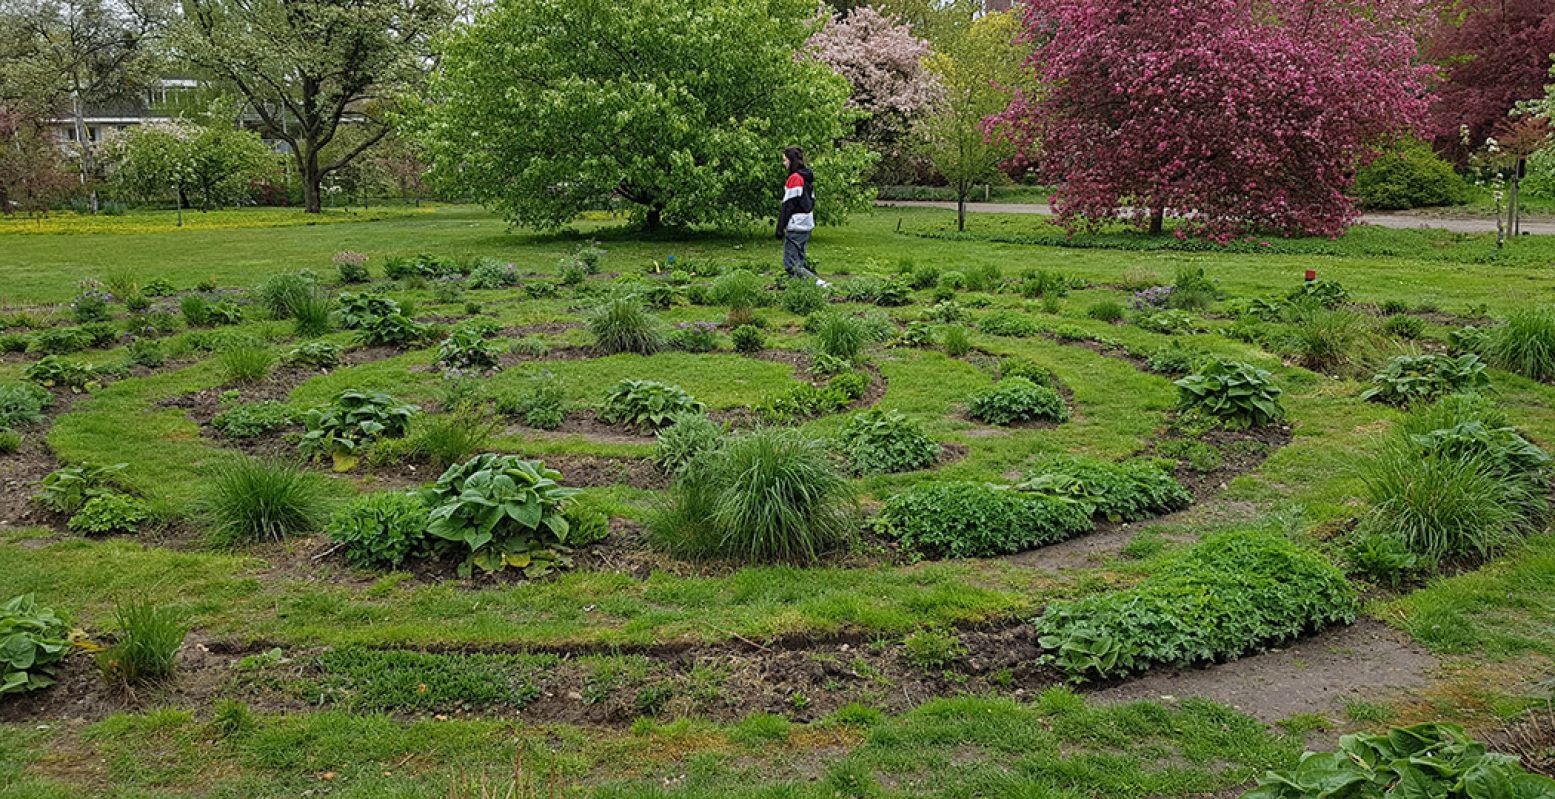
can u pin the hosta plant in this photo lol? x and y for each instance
(502, 511)
(355, 310)
(315, 355)
(1413, 378)
(53, 371)
(1238, 393)
(22, 403)
(467, 348)
(33, 640)
(356, 418)
(877, 441)
(647, 404)
(68, 488)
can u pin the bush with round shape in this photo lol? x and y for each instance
(467, 348)
(685, 437)
(281, 293)
(490, 273)
(315, 355)
(1015, 400)
(1021, 367)
(647, 404)
(748, 339)
(354, 419)
(313, 314)
(770, 495)
(624, 325)
(971, 520)
(501, 511)
(1326, 338)
(695, 337)
(146, 649)
(351, 266)
(877, 441)
(1525, 343)
(246, 362)
(35, 640)
(1240, 394)
(1231, 594)
(1408, 175)
(252, 500)
(381, 530)
(110, 513)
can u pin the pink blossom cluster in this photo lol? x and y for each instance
(883, 62)
(1231, 114)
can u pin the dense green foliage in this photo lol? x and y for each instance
(147, 644)
(1409, 175)
(22, 403)
(647, 404)
(1014, 400)
(499, 511)
(110, 513)
(1225, 597)
(877, 441)
(254, 419)
(33, 641)
(624, 325)
(964, 519)
(1414, 378)
(381, 529)
(1525, 343)
(1435, 760)
(685, 437)
(249, 500)
(1126, 492)
(66, 489)
(1240, 394)
(354, 419)
(768, 495)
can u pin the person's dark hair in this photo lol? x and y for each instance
(795, 158)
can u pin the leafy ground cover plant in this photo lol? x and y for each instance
(933, 649)
(500, 511)
(696, 336)
(381, 530)
(770, 495)
(1169, 322)
(53, 371)
(966, 520)
(60, 341)
(467, 348)
(877, 441)
(355, 418)
(647, 404)
(542, 404)
(1525, 343)
(1017, 399)
(355, 310)
(315, 355)
(1227, 596)
(110, 513)
(68, 488)
(1119, 492)
(33, 641)
(147, 647)
(624, 325)
(1240, 394)
(392, 330)
(1323, 293)
(22, 403)
(748, 339)
(254, 419)
(1416, 378)
(248, 499)
(1435, 760)
(1008, 323)
(491, 273)
(802, 297)
(685, 437)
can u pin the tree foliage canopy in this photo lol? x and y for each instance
(179, 160)
(543, 108)
(1236, 116)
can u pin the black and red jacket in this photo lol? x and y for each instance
(798, 211)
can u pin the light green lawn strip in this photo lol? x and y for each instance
(1500, 611)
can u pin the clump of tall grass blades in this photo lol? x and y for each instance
(771, 495)
(624, 325)
(1526, 343)
(840, 335)
(148, 643)
(248, 500)
(247, 362)
(1326, 338)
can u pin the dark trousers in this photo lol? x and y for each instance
(794, 264)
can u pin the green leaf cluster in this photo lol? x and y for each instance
(878, 441)
(1017, 399)
(967, 519)
(33, 641)
(647, 404)
(1413, 378)
(1119, 492)
(502, 511)
(355, 418)
(1238, 393)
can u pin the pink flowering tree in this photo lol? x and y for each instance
(883, 62)
(1235, 116)
(1495, 55)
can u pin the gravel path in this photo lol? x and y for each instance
(1406, 221)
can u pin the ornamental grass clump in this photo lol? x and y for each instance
(624, 325)
(1525, 343)
(253, 500)
(146, 649)
(770, 495)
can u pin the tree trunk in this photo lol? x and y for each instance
(1157, 220)
(1514, 205)
(655, 218)
(308, 172)
(84, 140)
(961, 212)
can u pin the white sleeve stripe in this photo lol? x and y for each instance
(789, 194)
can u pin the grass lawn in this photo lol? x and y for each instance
(878, 671)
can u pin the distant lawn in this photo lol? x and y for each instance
(160, 221)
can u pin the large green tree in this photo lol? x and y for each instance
(310, 67)
(216, 163)
(544, 108)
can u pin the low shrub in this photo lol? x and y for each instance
(915, 334)
(1436, 760)
(313, 314)
(60, 341)
(803, 401)
(1240, 394)
(1322, 293)
(144, 352)
(742, 291)
(802, 297)
(893, 293)
(624, 325)
(66, 489)
(1173, 360)
(1229, 595)
(878, 441)
(146, 648)
(467, 348)
(1008, 323)
(1525, 343)
(1381, 559)
(110, 513)
(767, 495)
(1409, 175)
(315, 355)
(1119, 492)
(35, 640)
(22, 403)
(685, 437)
(351, 266)
(1030, 370)
(946, 312)
(1414, 378)
(91, 306)
(381, 530)
(501, 511)
(748, 339)
(248, 500)
(356, 310)
(1016, 399)
(646, 404)
(695, 337)
(490, 273)
(354, 419)
(1043, 283)
(1191, 290)
(196, 310)
(280, 294)
(967, 520)
(392, 330)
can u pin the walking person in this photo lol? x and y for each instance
(796, 217)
